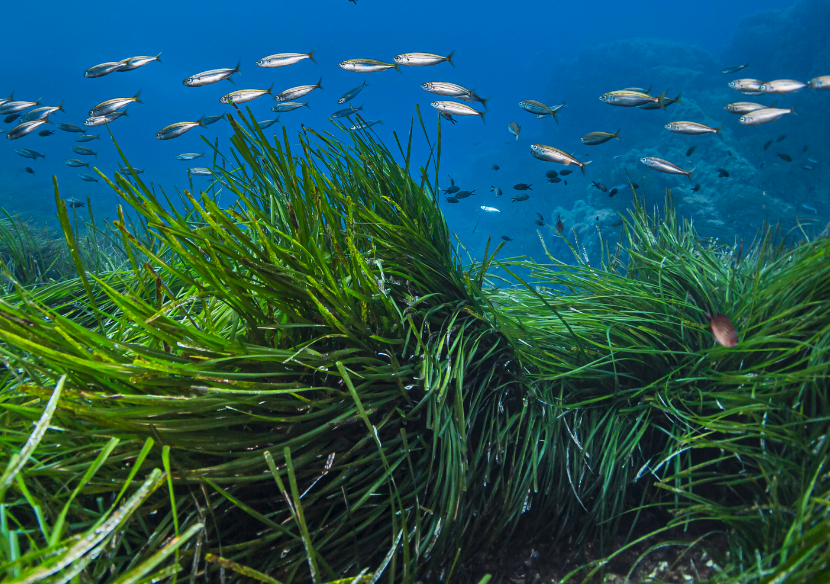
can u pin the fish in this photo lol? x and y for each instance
(496, 190)
(208, 120)
(812, 160)
(734, 69)
(457, 109)
(768, 144)
(367, 66)
(297, 92)
(212, 76)
(285, 59)
(690, 150)
(785, 157)
(13, 107)
(88, 177)
(365, 125)
(75, 163)
(765, 116)
(692, 129)
(177, 129)
(346, 112)
(27, 153)
(41, 113)
(625, 98)
(28, 169)
(87, 137)
(126, 171)
(596, 138)
(781, 138)
(464, 194)
(747, 86)
(135, 62)
(451, 199)
(696, 188)
(613, 192)
(806, 147)
(352, 93)
(103, 69)
(782, 86)
(616, 223)
(667, 101)
(10, 98)
(551, 154)
(745, 107)
(602, 188)
(522, 197)
(288, 106)
(200, 171)
(723, 173)
(559, 225)
(268, 123)
(73, 203)
(452, 189)
(100, 120)
(447, 117)
(24, 129)
(245, 95)
(190, 156)
(807, 167)
(506, 238)
(84, 151)
(45, 133)
(489, 209)
(474, 97)
(822, 82)
(423, 59)
(113, 105)
(722, 329)
(566, 172)
(539, 109)
(551, 173)
(495, 167)
(554, 180)
(665, 166)
(10, 118)
(514, 129)
(805, 205)
(522, 187)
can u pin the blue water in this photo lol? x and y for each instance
(508, 50)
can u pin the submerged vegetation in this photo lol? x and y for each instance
(307, 384)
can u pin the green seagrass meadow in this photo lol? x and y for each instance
(309, 385)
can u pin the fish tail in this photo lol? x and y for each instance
(272, 87)
(792, 110)
(517, 137)
(689, 174)
(773, 104)
(717, 131)
(11, 96)
(677, 99)
(311, 57)
(661, 102)
(397, 68)
(553, 113)
(236, 69)
(306, 104)
(583, 165)
(648, 91)
(135, 97)
(60, 108)
(158, 57)
(125, 114)
(449, 58)
(482, 117)
(617, 133)
(365, 84)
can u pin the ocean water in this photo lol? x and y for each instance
(508, 51)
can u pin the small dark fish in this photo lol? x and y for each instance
(781, 138)
(452, 189)
(522, 187)
(464, 194)
(88, 178)
(447, 116)
(496, 190)
(71, 128)
(451, 200)
(565, 172)
(504, 237)
(29, 169)
(616, 223)
(555, 179)
(597, 217)
(786, 157)
(696, 188)
(690, 150)
(541, 220)
(729, 152)
(566, 182)
(520, 198)
(767, 145)
(45, 133)
(635, 185)
(495, 167)
(806, 147)
(452, 182)
(722, 329)
(600, 186)
(723, 173)
(734, 69)
(551, 173)
(73, 203)
(11, 117)
(559, 225)
(612, 192)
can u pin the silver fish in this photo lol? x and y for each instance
(692, 129)
(41, 113)
(70, 128)
(765, 116)
(288, 106)
(27, 153)
(514, 129)
(87, 137)
(12, 107)
(352, 93)
(75, 163)
(624, 98)
(489, 209)
(551, 154)
(457, 109)
(346, 112)
(113, 105)
(665, 166)
(734, 69)
(84, 151)
(366, 124)
(11, 98)
(135, 62)
(268, 123)
(822, 82)
(177, 129)
(781, 86)
(102, 120)
(102, 69)
(422, 59)
(200, 171)
(297, 92)
(245, 95)
(212, 76)
(745, 107)
(284, 59)
(88, 178)
(667, 101)
(746, 85)
(367, 66)
(25, 128)
(190, 156)
(597, 138)
(539, 109)
(208, 120)
(446, 89)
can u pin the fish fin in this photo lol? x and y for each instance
(311, 56)
(380, 121)
(482, 117)
(272, 87)
(201, 121)
(617, 133)
(583, 165)
(397, 68)
(449, 58)
(689, 174)
(306, 104)
(661, 102)
(158, 57)
(553, 113)
(236, 69)
(773, 104)
(60, 108)
(677, 99)
(125, 113)
(648, 91)
(792, 110)
(202, 155)
(11, 96)
(717, 131)
(38, 101)
(320, 83)
(231, 80)
(365, 84)
(135, 97)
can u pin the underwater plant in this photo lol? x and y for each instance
(305, 383)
